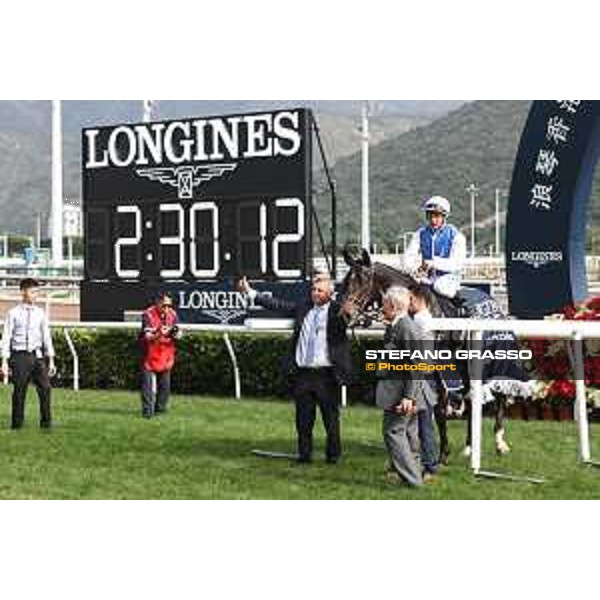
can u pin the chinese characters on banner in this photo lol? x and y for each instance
(559, 129)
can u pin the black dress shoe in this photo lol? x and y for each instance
(332, 460)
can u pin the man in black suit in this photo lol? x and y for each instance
(319, 358)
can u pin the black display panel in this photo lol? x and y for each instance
(198, 202)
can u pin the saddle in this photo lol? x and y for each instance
(460, 307)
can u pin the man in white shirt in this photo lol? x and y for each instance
(438, 250)
(26, 342)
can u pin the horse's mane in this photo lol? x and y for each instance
(395, 274)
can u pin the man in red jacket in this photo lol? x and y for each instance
(160, 330)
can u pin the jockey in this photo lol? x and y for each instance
(438, 250)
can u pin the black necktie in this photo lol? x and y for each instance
(27, 329)
(387, 337)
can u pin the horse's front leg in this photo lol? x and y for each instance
(467, 415)
(501, 445)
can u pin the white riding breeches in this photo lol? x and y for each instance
(447, 285)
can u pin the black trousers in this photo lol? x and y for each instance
(26, 368)
(317, 387)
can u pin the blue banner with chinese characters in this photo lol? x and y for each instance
(551, 185)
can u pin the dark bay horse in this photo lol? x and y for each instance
(364, 286)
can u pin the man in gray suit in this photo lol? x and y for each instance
(401, 398)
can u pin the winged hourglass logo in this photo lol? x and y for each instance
(186, 177)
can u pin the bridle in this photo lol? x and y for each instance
(362, 299)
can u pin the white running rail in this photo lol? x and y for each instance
(576, 331)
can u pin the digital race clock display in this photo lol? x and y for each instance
(191, 205)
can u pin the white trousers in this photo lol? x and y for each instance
(447, 285)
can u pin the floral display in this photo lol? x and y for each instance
(552, 367)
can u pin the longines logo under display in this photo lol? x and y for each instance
(222, 306)
(536, 259)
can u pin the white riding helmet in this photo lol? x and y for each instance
(437, 204)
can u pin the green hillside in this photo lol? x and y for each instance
(25, 181)
(25, 143)
(474, 144)
(341, 133)
(411, 158)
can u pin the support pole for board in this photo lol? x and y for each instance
(580, 401)
(332, 192)
(75, 357)
(57, 185)
(476, 406)
(234, 364)
(365, 237)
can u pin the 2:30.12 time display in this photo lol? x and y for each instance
(209, 239)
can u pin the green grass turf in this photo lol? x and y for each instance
(101, 448)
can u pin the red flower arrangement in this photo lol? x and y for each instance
(552, 365)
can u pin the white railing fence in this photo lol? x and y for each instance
(553, 329)
(576, 331)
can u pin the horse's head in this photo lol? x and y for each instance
(366, 283)
(360, 288)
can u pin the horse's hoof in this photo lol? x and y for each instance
(502, 448)
(444, 458)
(467, 451)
